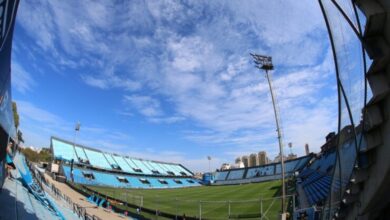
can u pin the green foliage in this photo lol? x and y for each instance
(33, 156)
(16, 115)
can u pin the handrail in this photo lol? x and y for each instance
(79, 210)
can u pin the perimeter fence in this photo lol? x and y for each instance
(176, 208)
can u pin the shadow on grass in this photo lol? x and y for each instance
(278, 191)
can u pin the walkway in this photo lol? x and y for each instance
(17, 203)
(81, 201)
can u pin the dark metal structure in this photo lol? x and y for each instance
(8, 9)
(358, 30)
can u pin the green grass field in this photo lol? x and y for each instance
(210, 202)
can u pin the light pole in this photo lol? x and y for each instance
(265, 63)
(209, 159)
(76, 130)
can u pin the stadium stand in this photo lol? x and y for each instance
(94, 167)
(236, 174)
(63, 150)
(112, 161)
(81, 154)
(123, 164)
(316, 178)
(260, 173)
(66, 151)
(97, 159)
(101, 178)
(33, 187)
(221, 176)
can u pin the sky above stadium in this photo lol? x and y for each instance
(173, 80)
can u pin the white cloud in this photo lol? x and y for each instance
(38, 125)
(145, 105)
(193, 53)
(168, 120)
(196, 64)
(28, 110)
(96, 82)
(21, 79)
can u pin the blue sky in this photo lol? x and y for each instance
(173, 80)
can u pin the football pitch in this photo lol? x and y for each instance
(248, 201)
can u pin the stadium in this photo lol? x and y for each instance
(348, 178)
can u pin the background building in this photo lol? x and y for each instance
(252, 160)
(225, 166)
(307, 150)
(239, 165)
(245, 161)
(291, 156)
(277, 159)
(262, 158)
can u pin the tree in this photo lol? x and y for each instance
(16, 115)
(44, 155)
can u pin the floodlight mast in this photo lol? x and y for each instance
(265, 63)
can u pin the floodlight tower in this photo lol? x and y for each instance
(209, 159)
(265, 63)
(76, 130)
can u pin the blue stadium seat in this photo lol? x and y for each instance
(316, 179)
(65, 151)
(220, 176)
(236, 174)
(101, 178)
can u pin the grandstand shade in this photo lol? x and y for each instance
(110, 159)
(63, 150)
(123, 164)
(97, 159)
(81, 153)
(101, 178)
